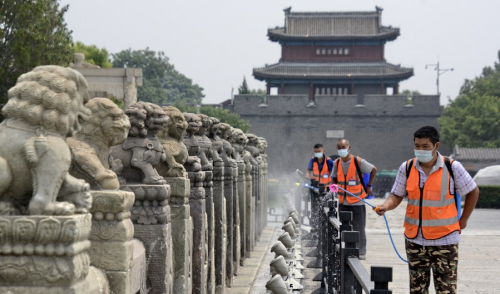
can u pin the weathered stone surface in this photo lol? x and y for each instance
(158, 256)
(33, 244)
(180, 190)
(109, 255)
(130, 281)
(111, 202)
(220, 230)
(151, 204)
(182, 246)
(152, 227)
(210, 233)
(34, 157)
(242, 211)
(197, 207)
(139, 268)
(193, 162)
(136, 158)
(103, 231)
(182, 243)
(249, 212)
(171, 139)
(107, 126)
(94, 283)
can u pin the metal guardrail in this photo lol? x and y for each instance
(342, 272)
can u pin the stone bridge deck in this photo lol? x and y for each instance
(479, 266)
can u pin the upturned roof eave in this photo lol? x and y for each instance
(389, 36)
(261, 76)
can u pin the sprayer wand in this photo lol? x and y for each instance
(334, 188)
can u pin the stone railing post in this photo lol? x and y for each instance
(152, 226)
(31, 245)
(113, 248)
(263, 197)
(228, 195)
(249, 212)
(242, 210)
(182, 242)
(220, 239)
(256, 192)
(236, 221)
(197, 208)
(210, 246)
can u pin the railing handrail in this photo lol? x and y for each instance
(339, 243)
(360, 273)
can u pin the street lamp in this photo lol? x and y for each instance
(439, 71)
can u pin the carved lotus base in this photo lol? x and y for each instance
(151, 204)
(44, 250)
(94, 283)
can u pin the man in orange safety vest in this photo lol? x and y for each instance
(432, 223)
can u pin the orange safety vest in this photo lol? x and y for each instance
(350, 182)
(322, 177)
(432, 208)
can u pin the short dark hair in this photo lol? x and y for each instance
(427, 132)
(318, 146)
(345, 140)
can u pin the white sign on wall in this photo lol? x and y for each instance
(335, 133)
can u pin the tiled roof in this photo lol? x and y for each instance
(333, 26)
(476, 154)
(296, 70)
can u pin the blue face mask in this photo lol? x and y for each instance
(424, 155)
(318, 155)
(343, 152)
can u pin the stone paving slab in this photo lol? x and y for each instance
(478, 268)
(250, 273)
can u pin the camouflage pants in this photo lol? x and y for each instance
(443, 260)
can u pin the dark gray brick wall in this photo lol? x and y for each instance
(380, 131)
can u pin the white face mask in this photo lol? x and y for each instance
(424, 155)
(343, 152)
(318, 155)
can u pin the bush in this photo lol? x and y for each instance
(489, 197)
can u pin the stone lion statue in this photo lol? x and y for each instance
(136, 158)
(170, 137)
(193, 162)
(107, 126)
(44, 107)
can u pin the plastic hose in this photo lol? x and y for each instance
(335, 188)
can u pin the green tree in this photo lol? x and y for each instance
(409, 95)
(93, 54)
(473, 118)
(32, 33)
(162, 83)
(243, 89)
(223, 115)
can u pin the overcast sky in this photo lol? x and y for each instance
(217, 42)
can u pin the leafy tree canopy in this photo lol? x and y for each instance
(473, 118)
(93, 54)
(410, 93)
(162, 83)
(32, 33)
(222, 114)
(243, 89)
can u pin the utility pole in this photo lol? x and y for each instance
(439, 71)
